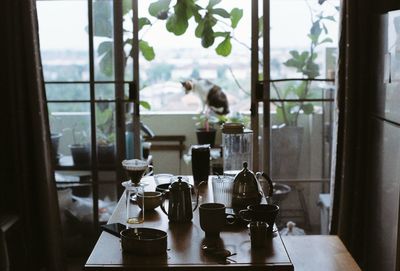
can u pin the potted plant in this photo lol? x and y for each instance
(105, 134)
(287, 136)
(80, 149)
(205, 128)
(55, 142)
(105, 148)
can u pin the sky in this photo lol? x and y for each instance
(62, 24)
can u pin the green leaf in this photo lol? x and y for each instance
(311, 69)
(221, 12)
(279, 114)
(199, 29)
(106, 64)
(236, 15)
(330, 18)
(261, 26)
(177, 25)
(212, 3)
(102, 19)
(325, 40)
(147, 50)
(225, 47)
(221, 34)
(126, 6)
(145, 105)
(325, 29)
(159, 8)
(207, 38)
(308, 108)
(143, 21)
(104, 47)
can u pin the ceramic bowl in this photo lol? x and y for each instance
(144, 241)
(163, 188)
(151, 200)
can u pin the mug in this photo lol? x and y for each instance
(213, 218)
(260, 212)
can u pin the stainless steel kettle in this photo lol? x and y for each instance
(180, 202)
(247, 189)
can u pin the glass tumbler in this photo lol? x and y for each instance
(134, 214)
(222, 190)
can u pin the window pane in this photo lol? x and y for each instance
(105, 91)
(72, 121)
(103, 40)
(64, 41)
(180, 58)
(312, 29)
(67, 92)
(105, 134)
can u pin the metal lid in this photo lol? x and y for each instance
(180, 184)
(245, 174)
(233, 128)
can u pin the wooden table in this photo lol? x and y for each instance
(184, 245)
(319, 252)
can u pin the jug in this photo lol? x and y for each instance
(247, 189)
(237, 145)
(180, 202)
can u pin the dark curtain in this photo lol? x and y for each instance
(27, 182)
(353, 82)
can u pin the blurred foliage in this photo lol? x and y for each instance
(304, 63)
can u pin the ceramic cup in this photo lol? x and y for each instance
(260, 212)
(213, 218)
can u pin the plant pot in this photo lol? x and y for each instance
(206, 137)
(106, 154)
(286, 145)
(55, 142)
(80, 154)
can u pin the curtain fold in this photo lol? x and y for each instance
(348, 177)
(28, 182)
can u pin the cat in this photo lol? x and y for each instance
(209, 93)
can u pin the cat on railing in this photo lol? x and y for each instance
(210, 94)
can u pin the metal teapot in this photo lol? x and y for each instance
(247, 189)
(180, 202)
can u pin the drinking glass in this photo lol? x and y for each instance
(222, 189)
(134, 214)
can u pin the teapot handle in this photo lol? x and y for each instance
(269, 180)
(164, 195)
(196, 190)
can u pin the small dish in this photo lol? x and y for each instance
(144, 241)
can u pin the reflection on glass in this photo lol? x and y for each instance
(302, 150)
(105, 133)
(72, 122)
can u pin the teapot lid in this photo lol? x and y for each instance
(245, 174)
(180, 182)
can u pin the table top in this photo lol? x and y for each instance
(184, 244)
(319, 252)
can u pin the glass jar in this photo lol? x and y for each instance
(237, 145)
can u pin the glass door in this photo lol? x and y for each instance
(90, 65)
